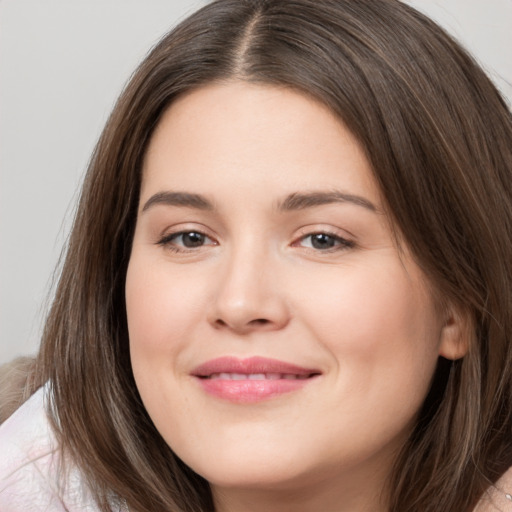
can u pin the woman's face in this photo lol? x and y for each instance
(278, 338)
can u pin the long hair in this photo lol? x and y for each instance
(439, 139)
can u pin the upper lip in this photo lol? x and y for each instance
(251, 365)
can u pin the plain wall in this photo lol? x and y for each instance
(62, 65)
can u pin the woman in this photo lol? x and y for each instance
(288, 281)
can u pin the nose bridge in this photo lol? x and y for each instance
(248, 296)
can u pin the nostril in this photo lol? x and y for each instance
(245, 326)
(259, 321)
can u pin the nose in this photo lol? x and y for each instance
(249, 297)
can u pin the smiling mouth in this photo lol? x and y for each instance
(251, 380)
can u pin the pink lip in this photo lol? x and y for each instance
(216, 378)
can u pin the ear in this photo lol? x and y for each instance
(455, 334)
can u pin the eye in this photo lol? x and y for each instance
(184, 240)
(324, 242)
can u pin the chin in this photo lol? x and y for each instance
(270, 466)
(262, 476)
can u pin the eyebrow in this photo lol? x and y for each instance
(300, 201)
(184, 199)
(292, 202)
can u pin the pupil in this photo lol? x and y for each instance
(322, 241)
(193, 239)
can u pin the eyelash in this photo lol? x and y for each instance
(340, 242)
(167, 240)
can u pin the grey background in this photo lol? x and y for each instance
(62, 65)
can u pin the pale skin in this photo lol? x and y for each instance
(261, 232)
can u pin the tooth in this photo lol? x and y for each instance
(257, 376)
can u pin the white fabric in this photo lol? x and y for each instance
(29, 462)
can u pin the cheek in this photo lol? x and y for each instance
(382, 333)
(163, 309)
(160, 307)
(161, 312)
(378, 321)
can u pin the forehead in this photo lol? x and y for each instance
(254, 138)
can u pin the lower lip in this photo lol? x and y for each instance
(250, 391)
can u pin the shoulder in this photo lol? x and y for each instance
(30, 464)
(498, 498)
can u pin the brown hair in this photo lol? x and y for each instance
(439, 138)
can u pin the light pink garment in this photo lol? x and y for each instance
(29, 462)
